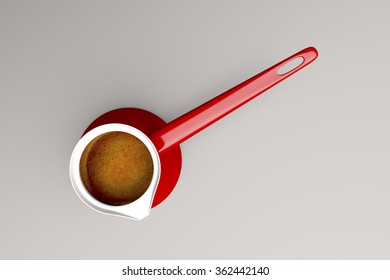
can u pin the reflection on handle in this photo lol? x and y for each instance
(201, 117)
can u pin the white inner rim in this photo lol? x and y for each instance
(138, 209)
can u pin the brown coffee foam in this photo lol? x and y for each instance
(116, 168)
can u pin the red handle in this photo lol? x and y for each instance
(201, 117)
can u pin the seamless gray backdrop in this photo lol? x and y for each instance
(301, 172)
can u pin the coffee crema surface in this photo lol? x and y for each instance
(116, 168)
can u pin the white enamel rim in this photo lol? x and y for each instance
(136, 210)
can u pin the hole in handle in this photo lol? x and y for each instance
(290, 65)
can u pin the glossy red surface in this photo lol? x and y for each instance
(201, 117)
(148, 123)
(167, 137)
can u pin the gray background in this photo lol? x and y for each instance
(301, 172)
